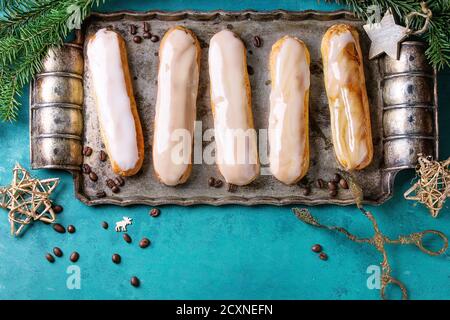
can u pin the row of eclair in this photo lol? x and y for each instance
(230, 92)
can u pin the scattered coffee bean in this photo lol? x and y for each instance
(115, 189)
(316, 248)
(71, 229)
(100, 194)
(230, 27)
(250, 70)
(320, 183)
(57, 252)
(86, 168)
(154, 38)
(110, 183)
(232, 187)
(93, 176)
(306, 190)
(103, 156)
(146, 27)
(116, 258)
(135, 281)
(74, 256)
(218, 183)
(211, 182)
(87, 151)
(268, 82)
(105, 225)
(323, 256)
(147, 35)
(336, 177)
(333, 193)
(50, 258)
(257, 41)
(120, 181)
(343, 183)
(133, 29)
(137, 39)
(332, 185)
(155, 212)
(59, 228)
(144, 243)
(127, 238)
(57, 209)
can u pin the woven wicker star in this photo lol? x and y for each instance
(27, 200)
(433, 185)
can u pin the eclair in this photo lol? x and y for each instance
(120, 126)
(235, 136)
(347, 97)
(289, 102)
(175, 114)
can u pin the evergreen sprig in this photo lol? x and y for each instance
(28, 29)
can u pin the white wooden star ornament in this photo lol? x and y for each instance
(27, 200)
(386, 36)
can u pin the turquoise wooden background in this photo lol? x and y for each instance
(205, 252)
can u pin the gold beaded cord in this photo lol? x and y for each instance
(433, 185)
(27, 199)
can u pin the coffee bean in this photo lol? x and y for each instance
(211, 182)
(144, 243)
(86, 168)
(332, 185)
(50, 258)
(155, 212)
(59, 228)
(137, 39)
(146, 27)
(232, 187)
(336, 177)
(316, 248)
(133, 29)
(218, 183)
(100, 194)
(116, 258)
(127, 238)
(103, 156)
(110, 183)
(257, 42)
(135, 281)
(74, 256)
(71, 229)
(154, 38)
(307, 191)
(87, 151)
(343, 183)
(323, 256)
(57, 209)
(105, 225)
(115, 189)
(333, 193)
(57, 252)
(320, 183)
(120, 181)
(250, 70)
(147, 35)
(93, 176)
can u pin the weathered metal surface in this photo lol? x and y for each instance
(388, 83)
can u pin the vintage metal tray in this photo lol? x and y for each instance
(402, 98)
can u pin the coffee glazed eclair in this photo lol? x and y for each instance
(175, 114)
(289, 102)
(235, 136)
(120, 126)
(347, 97)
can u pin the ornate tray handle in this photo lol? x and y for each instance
(410, 99)
(56, 116)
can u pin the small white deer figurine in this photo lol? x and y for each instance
(122, 225)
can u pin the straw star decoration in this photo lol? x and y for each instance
(27, 199)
